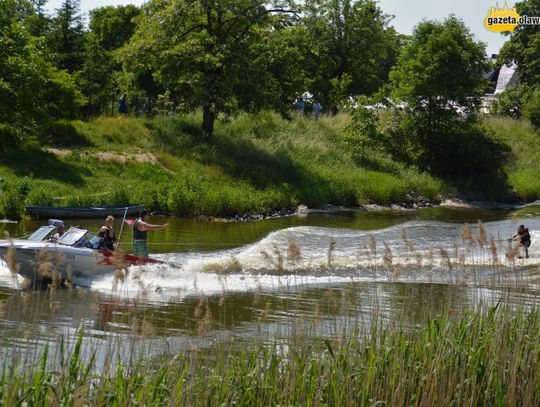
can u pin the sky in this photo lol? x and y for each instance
(407, 13)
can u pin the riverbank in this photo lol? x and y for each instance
(255, 166)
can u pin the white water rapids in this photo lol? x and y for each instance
(417, 251)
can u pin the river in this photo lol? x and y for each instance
(322, 273)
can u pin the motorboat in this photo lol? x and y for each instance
(78, 253)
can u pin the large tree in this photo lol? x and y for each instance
(439, 77)
(523, 47)
(110, 28)
(66, 37)
(113, 26)
(352, 47)
(32, 92)
(202, 51)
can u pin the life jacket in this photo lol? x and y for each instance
(108, 237)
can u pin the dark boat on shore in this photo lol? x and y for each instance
(67, 212)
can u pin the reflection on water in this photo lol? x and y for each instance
(323, 274)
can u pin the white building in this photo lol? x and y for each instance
(501, 78)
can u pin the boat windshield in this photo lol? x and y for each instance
(72, 236)
(41, 233)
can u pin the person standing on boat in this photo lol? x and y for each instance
(140, 229)
(107, 233)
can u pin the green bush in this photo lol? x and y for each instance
(526, 182)
(118, 196)
(40, 196)
(153, 196)
(509, 102)
(10, 136)
(531, 107)
(183, 199)
(11, 205)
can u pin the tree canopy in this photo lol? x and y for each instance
(203, 52)
(439, 78)
(32, 91)
(523, 47)
(230, 56)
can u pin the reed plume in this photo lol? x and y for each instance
(467, 236)
(482, 234)
(198, 309)
(205, 324)
(277, 262)
(493, 251)
(257, 296)
(373, 245)
(512, 251)
(294, 253)
(331, 248)
(418, 258)
(11, 261)
(397, 271)
(445, 257)
(387, 257)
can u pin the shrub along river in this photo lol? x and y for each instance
(319, 274)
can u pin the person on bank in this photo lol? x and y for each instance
(524, 238)
(122, 104)
(107, 233)
(140, 231)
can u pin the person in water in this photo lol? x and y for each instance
(107, 233)
(524, 238)
(140, 229)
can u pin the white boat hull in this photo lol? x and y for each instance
(39, 260)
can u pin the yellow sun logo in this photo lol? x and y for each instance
(501, 19)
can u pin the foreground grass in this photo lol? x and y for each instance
(487, 357)
(255, 163)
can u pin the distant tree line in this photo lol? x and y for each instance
(523, 47)
(227, 56)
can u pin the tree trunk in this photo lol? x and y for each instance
(209, 117)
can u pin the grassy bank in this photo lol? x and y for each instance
(523, 169)
(254, 164)
(485, 357)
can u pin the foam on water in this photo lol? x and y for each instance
(8, 279)
(416, 251)
(268, 264)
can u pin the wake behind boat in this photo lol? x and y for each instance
(69, 212)
(78, 253)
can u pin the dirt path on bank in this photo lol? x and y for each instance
(109, 156)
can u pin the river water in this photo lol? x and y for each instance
(321, 274)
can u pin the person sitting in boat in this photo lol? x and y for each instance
(524, 238)
(60, 230)
(107, 233)
(140, 229)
